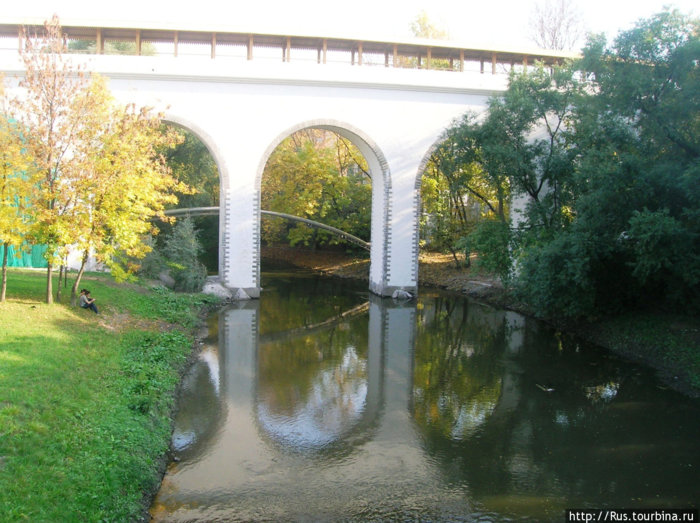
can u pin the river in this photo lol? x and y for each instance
(321, 402)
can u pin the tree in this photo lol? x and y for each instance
(422, 27)
(125, 182)
(318, 175)
(101, 178)
(470, 170)
(524, 135)
(180, 252)
(456, 193)
(519, 149)
(191, 163)
(639, 173)
(556, 24)
(17, 182)
(53, 111)
(632, 233)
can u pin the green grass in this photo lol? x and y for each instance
(85, 400)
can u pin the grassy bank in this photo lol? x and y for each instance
(85, 399)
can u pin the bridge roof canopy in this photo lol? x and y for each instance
(165, 33)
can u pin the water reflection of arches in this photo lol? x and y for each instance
(266, 445)
(346, 393)
(201, 412)
(524, 453)
(329, 417)
(316, 389)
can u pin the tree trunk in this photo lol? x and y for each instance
(4, 272)
(49, 283)
(454, 256)
(76, 283)
(61, 274)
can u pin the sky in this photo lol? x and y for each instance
(476, 23)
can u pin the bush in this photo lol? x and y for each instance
(181, 251)
(153, 263)
(491, 241)
(665, 263)
(555, 278)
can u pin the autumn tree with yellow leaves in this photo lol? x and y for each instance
(101, 178)
(16, 185)
(124, 183)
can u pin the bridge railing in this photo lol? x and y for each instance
(210, 211)
(413, 54)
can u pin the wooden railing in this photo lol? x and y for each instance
(416, 53)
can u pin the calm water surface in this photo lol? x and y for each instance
(320, 402)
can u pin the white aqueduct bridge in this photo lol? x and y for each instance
(242, 97)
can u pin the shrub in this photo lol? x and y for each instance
(181, 251)
(491, 241)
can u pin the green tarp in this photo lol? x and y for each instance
(31, 257)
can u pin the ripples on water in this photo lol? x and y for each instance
(321, 403)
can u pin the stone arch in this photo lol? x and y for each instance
(416, 202)
(381, 192)
(213, 148)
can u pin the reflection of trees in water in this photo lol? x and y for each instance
(293, 302)
(596, 431)
(289, 371)
(456, 378)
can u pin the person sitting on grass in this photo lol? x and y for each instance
(86, 302)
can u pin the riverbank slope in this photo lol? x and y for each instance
(86, 399)
(670, 343)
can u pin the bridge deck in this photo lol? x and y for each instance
(417, 53)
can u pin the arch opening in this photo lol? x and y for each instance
(195, 162)
(457, 199)
(334, 174)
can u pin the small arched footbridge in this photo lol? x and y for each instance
(210, 211)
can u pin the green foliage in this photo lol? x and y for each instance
(320, 176)
(524, 139)
(638, 182)
(100, 179)
(146, 365)
(112, 47)
(554, 277)
(458, 190)
(192, 163)
(490, 239)
(609, 165)
(181, 251)
(662, 257)
(153, 264)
